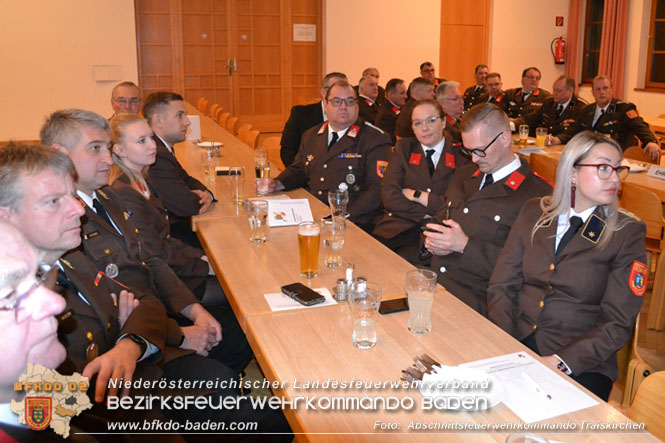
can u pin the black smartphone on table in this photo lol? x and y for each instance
(396, 305)
(302, 294)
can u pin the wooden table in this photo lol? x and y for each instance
(315, 343)
(657, 123)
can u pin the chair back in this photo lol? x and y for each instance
(203, 106)
(646, 206)
(232, 125)
(218, 114)
(223, 118)
(648, 407)
(272, 145)
(213, 110)
(243, 130)
(637, 153)
(544, 166)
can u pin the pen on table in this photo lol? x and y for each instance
(532, 383)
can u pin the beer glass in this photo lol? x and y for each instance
(309, 234)
(237, 178)
(257, 210)
(524, 135)
(364, 301)
(262, 170)
(332, 233)
(420, 288)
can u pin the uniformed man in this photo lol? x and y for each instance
(302, 118)
(527, 99)
(391, 107)
(126, 98)
(494, 92)
(421, 89)
(473, 93)
(616, 118)
(373, 72)
(368, 91)
(558, 111)
(480, 206)
(180, 193)
(450, 98)
(428, 72)
(343, 152)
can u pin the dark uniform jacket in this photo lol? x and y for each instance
(152, 220)
(358, 159)
(403, 124)
(499, 100)
(546, 117)
(620, 121)
(174, 185)
(516, 107)
(453, 131)
(136, 268)
(367, 109)
(486, 217)
(472, 96)
(408, 169)
(301, 119)
(96, 322)
(386, 118)
(582, 303)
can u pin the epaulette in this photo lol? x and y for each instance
(628, 214)
(543, 179)
(372, 126)
(621, 102)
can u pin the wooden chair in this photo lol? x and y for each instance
(272, 145)
(248, 136)
(218, 114)
(656, 316)
(545, 166)
(648, 407)
(199, 104)
(243, 130)
(232, 125)
(213, 110)
(203, 107)
(223, 118)
(636, 153)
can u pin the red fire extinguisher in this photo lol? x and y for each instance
(558, 48)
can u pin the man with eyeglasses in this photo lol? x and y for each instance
(527, 99)
(342, 153)
(494, 94)
(392, 105)
(480, 206)
(303, 117)
(428, 72)
(613, 117)
(27, 322)
(473, 93)
(558, 112)
(450, 98)
(125, 99)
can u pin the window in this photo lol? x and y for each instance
(656, 55)
(593, 32)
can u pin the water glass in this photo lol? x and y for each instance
(332, 232)
(338, 200)
(257, 210)
(420, 288)
(364, 301)
(262, 170)
(209, 161)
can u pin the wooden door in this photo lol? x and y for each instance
(237, 53)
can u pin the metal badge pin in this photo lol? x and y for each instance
(112, 270)
(350, 179)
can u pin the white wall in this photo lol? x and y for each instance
(48, 52)
(521, 32)
(392, 35)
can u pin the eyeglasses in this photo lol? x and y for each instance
(428, 70)
(418, 124)
(481, 152)
(454, 99)
(19, 297)
(532, 77)
(604, 171)
(337, 102)
(125, 101)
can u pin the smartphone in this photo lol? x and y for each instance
(396, 305)
(329, 216)
(302, 294)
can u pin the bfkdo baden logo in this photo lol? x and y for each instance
(38, 412)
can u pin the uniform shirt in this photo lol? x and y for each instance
(599, 111)
(88, 201)
(438, 149)
(564, 222)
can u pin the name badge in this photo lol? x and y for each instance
(349, 155)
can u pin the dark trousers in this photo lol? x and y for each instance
(599, 384)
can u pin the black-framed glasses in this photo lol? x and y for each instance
(418, 124)
(125, 101)
(481, 152)
(604, 171)
(337, 102)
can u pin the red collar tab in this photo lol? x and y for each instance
(515, 180)
(475, 174)
(450, 160)
(450, 120)
(415, 159)
(353, 131)
(323, 128)
(395, 110)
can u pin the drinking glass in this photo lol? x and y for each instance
(420, 288)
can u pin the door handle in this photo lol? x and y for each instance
(229, 67)
(235, 64)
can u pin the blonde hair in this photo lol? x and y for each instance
(577, 150)
(119, 124)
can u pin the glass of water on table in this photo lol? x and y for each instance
(420, 289)
(364, 301)
(262, 170)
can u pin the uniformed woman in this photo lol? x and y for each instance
(570, 279)
(133, 152)
(416, 180)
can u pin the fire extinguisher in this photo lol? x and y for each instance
(558, 48)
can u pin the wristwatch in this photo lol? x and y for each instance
(417, 193)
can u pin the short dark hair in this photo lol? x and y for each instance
(570, 82)
(493, 74)
(341, 84)
(480, 66)
(330, 75)
(487, 114)
(530, 68)
(392, 84)
(423, 64)
(155, 101)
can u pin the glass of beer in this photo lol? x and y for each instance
(309, 235)
(257, 210)
(237, 179)
(420, 288)
(524, 134)
(541, 135)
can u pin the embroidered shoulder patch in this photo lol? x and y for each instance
(381, 166)
(631, 114)
(638, 278)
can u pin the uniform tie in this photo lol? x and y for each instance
(559, 110)
(602, 112)
(333, 140)
(65, 283)
(488, 180)
(575, 223)
(430, 163)
(99, 209)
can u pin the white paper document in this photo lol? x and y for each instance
(532, 390)
(282, 302)
(288, 212)
(194, 131)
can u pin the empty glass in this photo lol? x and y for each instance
(364, 301)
